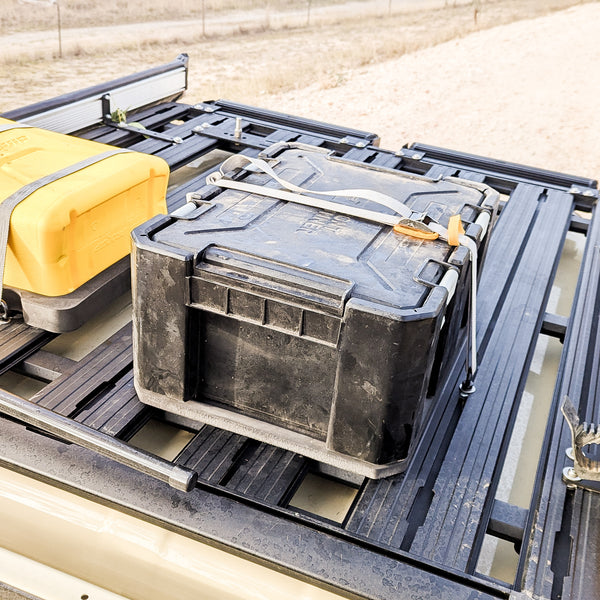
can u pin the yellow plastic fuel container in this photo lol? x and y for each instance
(68, 230)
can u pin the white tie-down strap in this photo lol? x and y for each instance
(304, 196)
(239, 161)
(472, 247)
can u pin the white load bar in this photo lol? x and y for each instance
(79, 110)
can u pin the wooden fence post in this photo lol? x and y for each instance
(59, 29)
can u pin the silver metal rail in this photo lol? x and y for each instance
(70, 430)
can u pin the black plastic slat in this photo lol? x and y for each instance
(379, 509)
(17, 341)
(366, 155)
(90, 376)
(555, 326)
(281, 135)
(560, 516)
(212, 453)
(310, 139)
(466, 480)
(579, 224)
(46, 365)
(267, 474)
(439, 171)
(115, 411)
(499, 168)
(471, 176)
(320, 128)
(513, 232)
(507, 521)
(177, 155)
(389, 161)
(582, 580)
(162, 114)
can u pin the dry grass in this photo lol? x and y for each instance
(277, 61)
(17, 15)
(245, 65)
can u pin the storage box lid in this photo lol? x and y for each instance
(360, 259)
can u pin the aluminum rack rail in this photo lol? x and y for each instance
(88, 107)
(415, 535)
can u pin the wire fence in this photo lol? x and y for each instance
(212, 17)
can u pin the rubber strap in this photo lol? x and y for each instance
(9, 204)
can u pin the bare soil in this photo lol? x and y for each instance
(526, 91)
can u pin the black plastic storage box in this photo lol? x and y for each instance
(302, 327)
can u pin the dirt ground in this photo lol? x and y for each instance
(525, 92)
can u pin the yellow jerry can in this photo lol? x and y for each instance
(71, 204)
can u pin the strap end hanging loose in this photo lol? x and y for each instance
(467, 387)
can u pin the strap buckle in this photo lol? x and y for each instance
(417, 226)
(415, 229)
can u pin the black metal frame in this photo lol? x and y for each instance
(414, 535)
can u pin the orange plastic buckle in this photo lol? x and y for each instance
(415, 229)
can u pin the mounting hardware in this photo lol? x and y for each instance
(201, 128)
(205, 108)
(4, 315)
(467, 388)
(410, 154)
(585, 471)
(237, 132)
